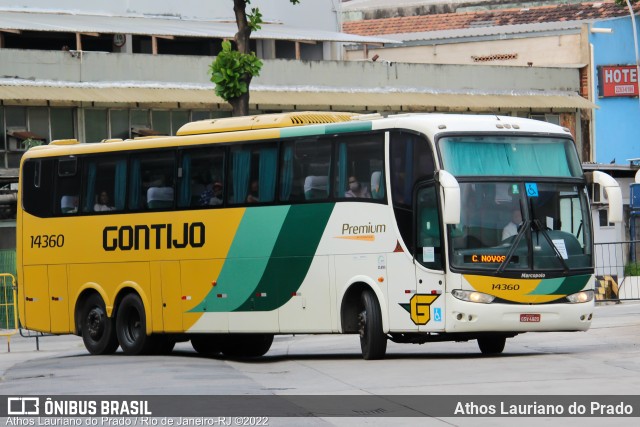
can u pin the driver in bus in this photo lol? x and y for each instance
(511, 229)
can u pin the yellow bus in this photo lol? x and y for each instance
(239, 229)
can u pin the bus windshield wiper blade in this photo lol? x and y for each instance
(523, 229)
(539, 227)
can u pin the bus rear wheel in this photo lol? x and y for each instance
(373, 341)
(207, 345)
(492, 344)
(131, 326)
(247, 345)
(98, 331)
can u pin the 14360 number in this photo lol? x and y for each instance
(47, 241)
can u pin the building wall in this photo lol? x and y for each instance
(616, 136)
(104, 68)
(317, 14)
(545, 51)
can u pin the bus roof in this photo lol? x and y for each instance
(269, 126)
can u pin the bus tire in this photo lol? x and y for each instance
(207, 345)
(492, 344)
(131, 326)
(162, 344)
(98, 329)
(247, 345)
(373, 341)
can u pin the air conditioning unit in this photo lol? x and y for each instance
(598, 194)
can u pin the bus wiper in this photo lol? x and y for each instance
(523, 229)
(539, 228)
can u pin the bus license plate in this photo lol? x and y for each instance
(529, 317)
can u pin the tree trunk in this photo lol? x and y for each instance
(240, 105)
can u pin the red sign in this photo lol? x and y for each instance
(529, 317)
(617, 80)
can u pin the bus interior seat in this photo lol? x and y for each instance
(315, 187)
(69, 204)
(377, 185)
(160, 197)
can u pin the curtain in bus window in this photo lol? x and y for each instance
(120, 184)
(185, 185)
(241, 167)
(135, 185)
(407, 195)
(287, 173)
(90, 195)
(342, 170)
(483, 158)
(267, 173)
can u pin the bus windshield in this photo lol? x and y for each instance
(509, 156)
(522, 226)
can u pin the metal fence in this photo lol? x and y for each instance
(617, 271)
(8, 309)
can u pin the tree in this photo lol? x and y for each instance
(233, 69)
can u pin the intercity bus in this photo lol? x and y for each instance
(239, 229)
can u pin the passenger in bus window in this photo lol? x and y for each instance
(69, 204)
(356, 189)
(216, 197)
(104, 204)
(253, 192)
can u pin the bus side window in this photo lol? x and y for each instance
(37, 187)
(358, 158)
(67, 186)
(253, 173)
(304, 170)
(104, 184)
(202, 181)
(151, 180)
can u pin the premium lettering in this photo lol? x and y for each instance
(363, 229)
(154, 236)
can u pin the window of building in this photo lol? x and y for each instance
(95, 125)
(119, 124)
(62, 123)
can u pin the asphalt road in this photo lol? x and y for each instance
(603, 361)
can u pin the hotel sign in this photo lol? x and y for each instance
(617, 80)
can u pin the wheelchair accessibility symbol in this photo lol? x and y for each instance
(437, 315)
(532, 189)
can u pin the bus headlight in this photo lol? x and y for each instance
(472, 296)
(579, 297)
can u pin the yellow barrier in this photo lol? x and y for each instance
(8, 307)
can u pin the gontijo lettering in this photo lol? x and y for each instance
(154, 236)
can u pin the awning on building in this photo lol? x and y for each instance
(178, 97)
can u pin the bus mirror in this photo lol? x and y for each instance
(614, 194)
(451, 203)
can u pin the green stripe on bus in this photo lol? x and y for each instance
(326, 129)
(561, 286)
(247, 259)
(292, 256)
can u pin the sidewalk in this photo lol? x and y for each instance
(24, 349)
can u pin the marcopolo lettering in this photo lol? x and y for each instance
(154, 236)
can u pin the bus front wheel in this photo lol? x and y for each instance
(492, 344)
(131, 326)
(98, 331)
(373, 340)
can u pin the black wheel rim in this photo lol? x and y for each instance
(95, 323)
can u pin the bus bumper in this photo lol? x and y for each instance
(466, 316)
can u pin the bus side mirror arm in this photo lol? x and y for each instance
(614, 194)
(451, 202)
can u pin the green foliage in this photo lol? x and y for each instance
(232, 71)
(624, 2)
(30, 142)
(632, 269)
